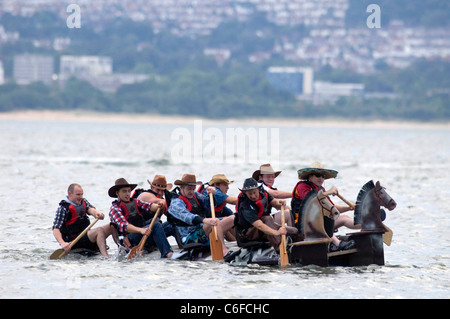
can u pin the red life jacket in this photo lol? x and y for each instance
(131, 212)
(76, 222)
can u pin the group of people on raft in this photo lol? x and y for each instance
(188, 212)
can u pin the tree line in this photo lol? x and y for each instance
(182, 80)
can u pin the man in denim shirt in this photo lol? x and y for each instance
(189, 213)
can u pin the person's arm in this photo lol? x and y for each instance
(267, 230)
(60, 217)
(277, 203)
(232, 200)
(151, 198)
(279, 193)
(58, 236)
(179, 211)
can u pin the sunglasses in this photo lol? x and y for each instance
(319, 175)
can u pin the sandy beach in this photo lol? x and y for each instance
(102, 117)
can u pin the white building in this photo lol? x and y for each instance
(84, 65)
(29, 68)
(97, 70)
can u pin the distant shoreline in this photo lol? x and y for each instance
(102, 117)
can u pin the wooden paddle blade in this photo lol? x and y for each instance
(284, 258)
(135, 252)
(387, 236)
(216, 246)
(58, 254)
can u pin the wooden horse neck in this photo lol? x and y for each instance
(371, 213)
(313, 221)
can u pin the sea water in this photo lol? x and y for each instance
(39, 159)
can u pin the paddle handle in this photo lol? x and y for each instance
(283, 253)
(83, 233)
(63, 253)
(346, 201)
(144, 239)
(213, 212)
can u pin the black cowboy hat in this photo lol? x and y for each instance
(249, 183)
(119, 183)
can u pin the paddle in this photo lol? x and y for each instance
(284, 259)
(60, 253)
(352, 206)
(214, 242)
(137, 250)
(387, 236)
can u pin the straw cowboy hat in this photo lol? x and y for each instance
(249, 183)
(120, 183)
(219, 178)
(187, 179)
(265, 169)
(160, 182)
(316, 168)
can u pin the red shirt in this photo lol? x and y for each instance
(303, 189)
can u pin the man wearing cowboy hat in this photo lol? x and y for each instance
(266, 176)
(253, 220)
(156, 192)
(156, 195)
(221, 199)
(311, 180)
(132, 218)
(188, 212)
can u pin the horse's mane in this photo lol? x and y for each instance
(362, 194)
(309, 197)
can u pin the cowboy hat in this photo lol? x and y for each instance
(119, 183)
(316, 168)
(265, 169)
(160, 182)
(187, 179)
(249, 183)
(219, 178)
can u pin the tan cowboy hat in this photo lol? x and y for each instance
(120, 183)
(160, 182)
(219, 178)
(316, 168)
(265, 169)
(187, 179)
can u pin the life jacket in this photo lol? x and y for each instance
(131, 212)
(217, 209)
(296, 202)
(261, 206)
(76, 222)
(192, 205)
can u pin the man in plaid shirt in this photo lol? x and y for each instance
(132, 218)
(71, 219)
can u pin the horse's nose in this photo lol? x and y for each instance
(392, 204)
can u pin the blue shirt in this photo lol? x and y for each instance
(179, 211)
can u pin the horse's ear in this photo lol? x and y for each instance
(377, 184)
